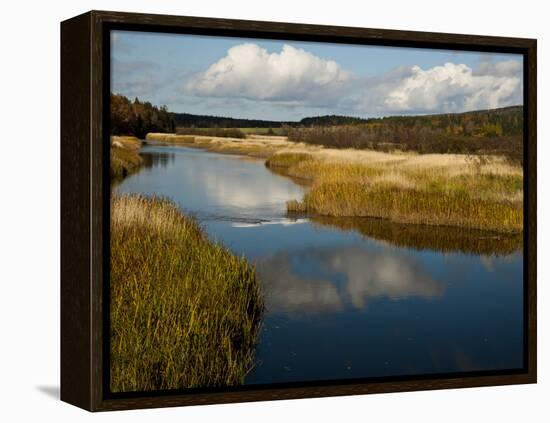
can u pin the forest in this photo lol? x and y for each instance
(138, 118)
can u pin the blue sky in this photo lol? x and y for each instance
(286, 80)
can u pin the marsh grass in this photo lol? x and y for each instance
(410, 189)
(185, 312)
(287, 160)
(261, 147)
(213, 132)
(412, 206)
(433, 189)
(277, 131)
(125, 158)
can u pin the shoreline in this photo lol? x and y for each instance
(155, 243)
(167, 274)
(125, 157)
(407, 188)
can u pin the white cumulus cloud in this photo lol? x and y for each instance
(291, 75)
(297, 80)
(455, 87)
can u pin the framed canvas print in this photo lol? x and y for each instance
(258, 210)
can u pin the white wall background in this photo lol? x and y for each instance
(29, 211)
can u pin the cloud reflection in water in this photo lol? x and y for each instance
(341, 279)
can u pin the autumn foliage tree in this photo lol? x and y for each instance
(138, 118)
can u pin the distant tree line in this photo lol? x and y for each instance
(491, 123)
(139, 118)
(188, 120)
(495, 122)
(330, 120)
(498, 131)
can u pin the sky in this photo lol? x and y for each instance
(286, 80)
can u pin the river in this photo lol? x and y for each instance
(349, 298)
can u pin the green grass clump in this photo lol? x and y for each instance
(185, 312)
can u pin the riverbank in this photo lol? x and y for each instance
(433, 189)
(125, 158)
(185, 312)
(254, 145)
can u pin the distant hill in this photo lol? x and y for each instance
(506, 120)
(482, 132)
(492, 122)
(502, 121)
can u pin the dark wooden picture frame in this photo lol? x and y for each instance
(85, 197)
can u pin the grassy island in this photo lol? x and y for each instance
(433, 189)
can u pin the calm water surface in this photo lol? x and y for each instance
(349, 298)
